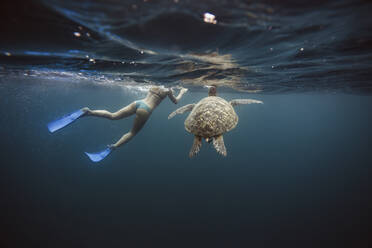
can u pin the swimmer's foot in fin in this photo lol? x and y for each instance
(96, 157)
(65, 120)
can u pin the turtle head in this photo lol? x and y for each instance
(212, 90)
(209, 140)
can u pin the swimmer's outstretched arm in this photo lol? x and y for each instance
(176, 99)
(122, 113)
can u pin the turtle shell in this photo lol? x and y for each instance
(210, 117)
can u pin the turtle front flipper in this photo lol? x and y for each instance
(195, 146)
(181, 110)
(243, 101)
(219, 145)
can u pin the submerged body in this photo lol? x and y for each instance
(141, 108)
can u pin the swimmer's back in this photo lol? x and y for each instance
(159, 92)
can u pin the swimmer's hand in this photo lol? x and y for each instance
(176, 99)
(183, 90)
(177, 88)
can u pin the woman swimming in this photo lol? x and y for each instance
(142, 108)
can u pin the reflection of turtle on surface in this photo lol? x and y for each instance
(210, 118)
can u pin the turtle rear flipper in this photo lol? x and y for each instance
(219, 145)
(181, 110)
(195, 146)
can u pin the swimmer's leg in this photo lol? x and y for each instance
(140, 120)
(122, 113)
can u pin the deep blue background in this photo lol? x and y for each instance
(298, 168)
(297, 173)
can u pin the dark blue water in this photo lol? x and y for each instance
(298, 168)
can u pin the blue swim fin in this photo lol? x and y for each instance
(96, 157)
(64, 121)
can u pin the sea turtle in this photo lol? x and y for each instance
(210, 118)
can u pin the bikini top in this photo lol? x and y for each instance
(158, 92)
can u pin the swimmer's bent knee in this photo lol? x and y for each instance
(115, 116)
